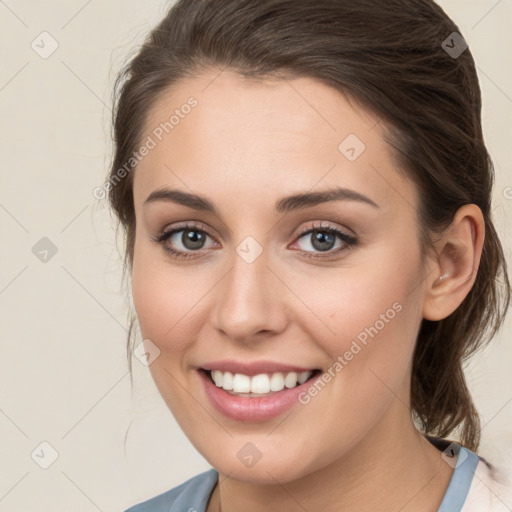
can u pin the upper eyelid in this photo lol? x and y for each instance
(306, 230)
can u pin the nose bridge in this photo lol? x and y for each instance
(248, 303)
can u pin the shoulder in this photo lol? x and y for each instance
(476, 485)
(491, 489)
(190, 495)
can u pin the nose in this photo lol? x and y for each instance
(250, 301)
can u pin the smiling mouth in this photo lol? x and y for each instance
(261, 385)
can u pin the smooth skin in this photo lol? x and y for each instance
(244, 146)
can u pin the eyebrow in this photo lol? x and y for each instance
(285, 204)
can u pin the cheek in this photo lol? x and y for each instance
(168, 306)
(369, 320)
(363, 301)
(165, 299)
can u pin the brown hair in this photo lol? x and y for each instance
(388, 56)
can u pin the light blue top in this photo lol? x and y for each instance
(193, 495)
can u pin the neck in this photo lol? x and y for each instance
(393, 468)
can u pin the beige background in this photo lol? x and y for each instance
(63, 371)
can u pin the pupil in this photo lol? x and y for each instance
(192, 239)
(322, 238)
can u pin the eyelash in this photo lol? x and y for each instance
(349, 240)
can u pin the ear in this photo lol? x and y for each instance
(456, 265)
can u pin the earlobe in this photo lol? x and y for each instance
(456, 266)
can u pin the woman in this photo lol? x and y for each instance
(305, 194)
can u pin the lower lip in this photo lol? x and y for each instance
(252, 409)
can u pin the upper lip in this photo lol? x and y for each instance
(254, 367)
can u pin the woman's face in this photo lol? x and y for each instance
(259, 292)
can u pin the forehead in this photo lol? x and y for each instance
(265, 138)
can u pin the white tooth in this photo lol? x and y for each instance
(217, 378)
(290, 381)
(277, 382)
(304, 376)
(227, 382)
(241, 383)
(260, 384)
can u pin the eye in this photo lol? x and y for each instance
(183, 240)
(187, 240)
(323, 239)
